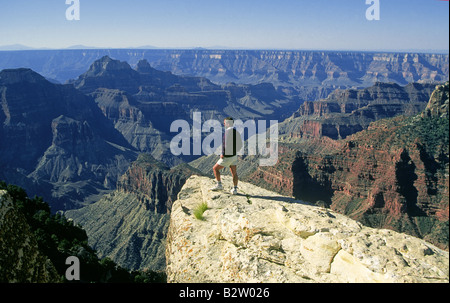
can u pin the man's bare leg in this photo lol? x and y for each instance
(216, 170)
(234, 174)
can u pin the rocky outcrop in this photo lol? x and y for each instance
(260, 236)
(20, 258)
(439, 102)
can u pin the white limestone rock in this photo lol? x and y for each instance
(260, 236)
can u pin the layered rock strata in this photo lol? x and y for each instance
(346, 112)
(313, 72)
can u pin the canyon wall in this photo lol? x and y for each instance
(130, 224)
(312, 74)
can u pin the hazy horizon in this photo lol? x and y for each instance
(403, 26)
(216, 48)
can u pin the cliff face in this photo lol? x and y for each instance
(78, 153)
(260, 236)
(306, 67)
(346, 112)
(130, 225)
(20, 258)
(154, 183)
(124, 229)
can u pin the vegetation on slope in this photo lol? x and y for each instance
(58, 238)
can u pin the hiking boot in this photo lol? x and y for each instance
(218, 186)
(233, 191)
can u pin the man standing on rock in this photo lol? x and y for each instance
(231, 145)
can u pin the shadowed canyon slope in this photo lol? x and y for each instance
(55, 141)
(130, 224)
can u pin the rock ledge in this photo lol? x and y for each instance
(260, 236)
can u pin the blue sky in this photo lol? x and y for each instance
(248, 24)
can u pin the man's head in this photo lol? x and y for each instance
(228, 122)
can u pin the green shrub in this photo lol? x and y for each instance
(199, 210)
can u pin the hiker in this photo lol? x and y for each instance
(231, 144)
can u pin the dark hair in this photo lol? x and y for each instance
(229, 122)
